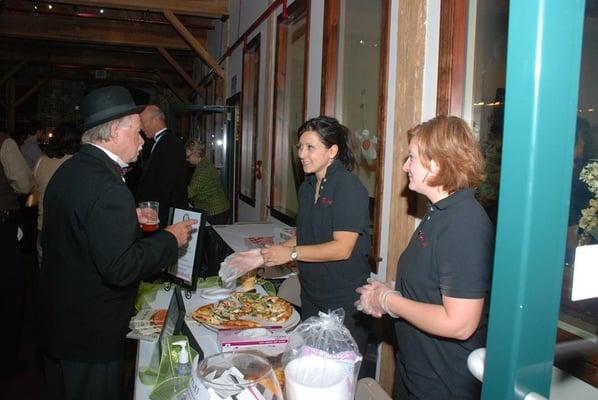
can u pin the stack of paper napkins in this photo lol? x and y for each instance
(147, 324)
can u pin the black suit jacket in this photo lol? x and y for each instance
(164, 176)
(94, 257)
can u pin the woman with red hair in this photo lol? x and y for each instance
(443, 276)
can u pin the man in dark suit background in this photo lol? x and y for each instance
(164, 177)
(95, 253)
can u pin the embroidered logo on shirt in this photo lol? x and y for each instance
(421, 239)
(326, 201)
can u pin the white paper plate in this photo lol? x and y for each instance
(278, 272)
(215, 293)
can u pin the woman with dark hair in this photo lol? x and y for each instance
(332, 243)
(443, 276)
(65, 142)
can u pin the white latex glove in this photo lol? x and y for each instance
(238, 264)
(371, 295)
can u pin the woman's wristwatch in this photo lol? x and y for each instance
(294, 253)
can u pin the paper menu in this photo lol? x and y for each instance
(585, 273)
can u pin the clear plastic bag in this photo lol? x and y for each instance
(238, 264)
(322, 360)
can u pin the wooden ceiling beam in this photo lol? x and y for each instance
(33, 26)
(92, 59)
(199, 8)
(12, 71)
(29, 92)
(32, 73)
(171, 86)
(195, 45)
(30, 76)
(179, 69)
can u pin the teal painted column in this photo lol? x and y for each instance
(543, 60)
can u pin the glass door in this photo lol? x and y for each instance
(214, 126)
(541, 104)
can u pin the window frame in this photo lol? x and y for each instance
(299, 9)
(328, 100)
(249, 120)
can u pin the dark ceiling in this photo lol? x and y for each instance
(112, 41)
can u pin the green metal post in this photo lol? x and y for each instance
(543, 61)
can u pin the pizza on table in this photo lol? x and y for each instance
(244, 310)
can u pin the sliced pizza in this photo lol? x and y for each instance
(158, 318)
(206, 315)
(244, 310)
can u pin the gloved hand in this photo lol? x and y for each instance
(238, 264)
(372, 296)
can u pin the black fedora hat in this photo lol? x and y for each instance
(107, 104)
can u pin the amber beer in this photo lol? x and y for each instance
(149, 227)
(149, 216)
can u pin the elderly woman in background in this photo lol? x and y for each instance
(443, 276)
(65, 142)
(205, 188)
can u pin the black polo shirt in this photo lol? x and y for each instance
(450, 253)
(342, 206)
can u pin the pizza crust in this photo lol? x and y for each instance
(240, 324)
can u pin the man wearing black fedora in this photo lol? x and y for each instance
(95, 253)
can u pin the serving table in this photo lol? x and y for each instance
(235, 235)
(228, 239)
(222, 240)
(206, 338)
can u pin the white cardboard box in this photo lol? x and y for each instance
(271, 341)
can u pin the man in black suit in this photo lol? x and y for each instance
(164, 176)
(95, 253)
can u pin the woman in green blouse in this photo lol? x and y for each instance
(205, 189)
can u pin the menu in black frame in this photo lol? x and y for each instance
(185, 271)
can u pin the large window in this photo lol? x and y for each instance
(483, 107)
(289, 109)
(248, 140)
(485, 92)
(353, 84)
(578, 320)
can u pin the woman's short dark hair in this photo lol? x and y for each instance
(450, 142)
(66, 140)
(331, 132)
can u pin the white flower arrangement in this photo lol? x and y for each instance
(589, 216)
(589, 219)
(589, 175)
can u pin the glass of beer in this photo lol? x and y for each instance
(149, 215)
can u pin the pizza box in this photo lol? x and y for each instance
(258, 242)
(270, 340)
(283, 234)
